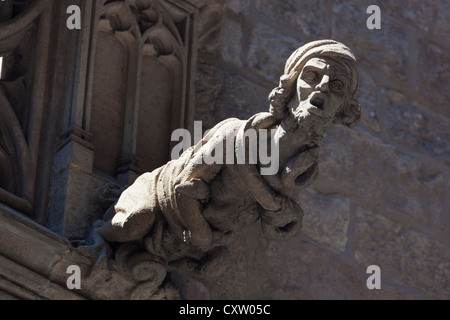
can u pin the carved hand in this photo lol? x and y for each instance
(189, 198)
(301, 170)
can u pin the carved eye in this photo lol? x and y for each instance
(337, 85)
(310, 76)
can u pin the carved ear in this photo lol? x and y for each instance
(348, 114)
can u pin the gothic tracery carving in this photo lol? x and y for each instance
(17, 156)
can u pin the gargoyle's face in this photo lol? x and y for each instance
(322, 87)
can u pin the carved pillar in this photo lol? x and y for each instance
(73, 162)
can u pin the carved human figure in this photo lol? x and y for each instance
(184, 211)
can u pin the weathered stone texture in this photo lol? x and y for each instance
(83, 205)
(401, 119)
(309, 272)
(239, 6)
(430, 16)
(269, 50)
(247, 274)
(232, 42)
(433, 70)
(307, 16)
(326, 218)
(387, 48)
(196, 290)
(210, 26)
(401, 253)
(6, 296)
(385, 177)
(370, 98)
(222, 95)
(408, 122)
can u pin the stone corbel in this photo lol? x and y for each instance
(181, 216)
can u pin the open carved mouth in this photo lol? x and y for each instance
(318, 100)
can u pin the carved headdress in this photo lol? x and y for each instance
(349, 114)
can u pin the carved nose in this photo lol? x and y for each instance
(323, 85)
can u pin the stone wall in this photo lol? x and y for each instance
(381, 197)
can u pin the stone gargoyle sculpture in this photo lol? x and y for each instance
(181, 215)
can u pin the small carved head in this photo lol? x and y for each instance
(320, 78)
